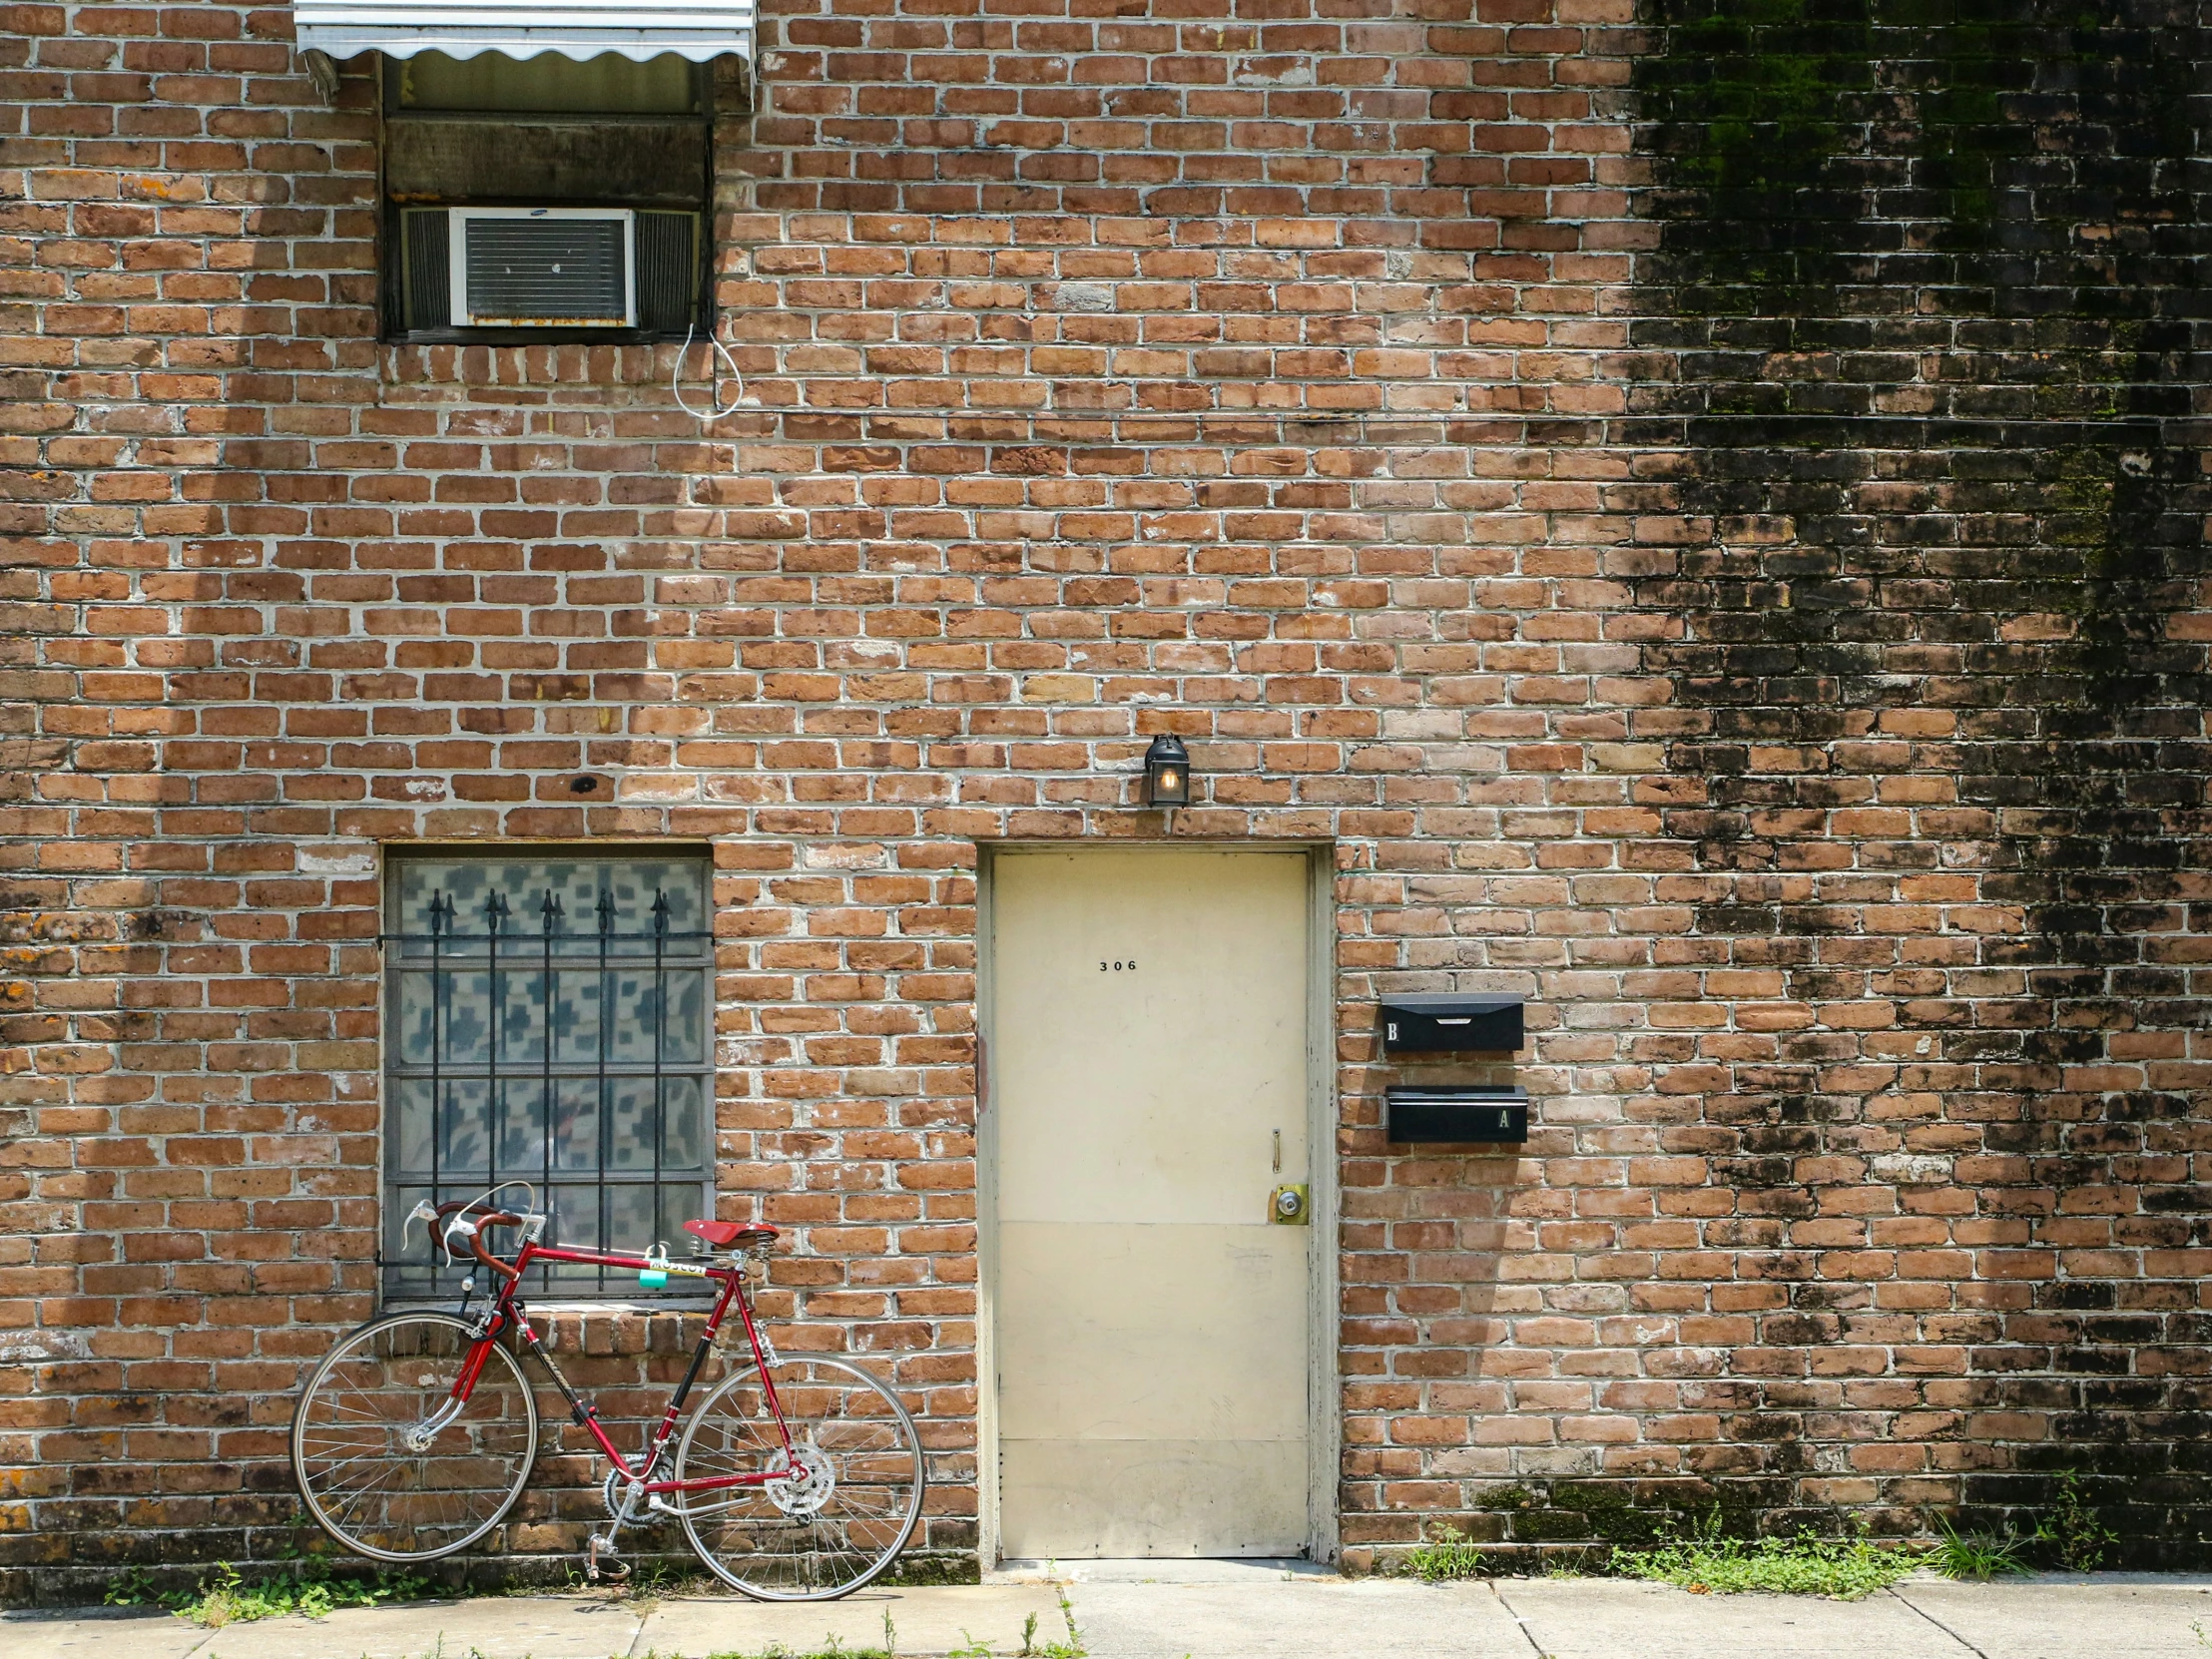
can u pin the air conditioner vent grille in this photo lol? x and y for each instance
(549, 270)
(667, 267)
(429, 277)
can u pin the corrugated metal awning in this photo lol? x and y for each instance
(695, 29)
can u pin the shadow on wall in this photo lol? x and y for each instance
(1924, 340)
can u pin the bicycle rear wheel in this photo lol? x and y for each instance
(388, 1463)
(843, 1515)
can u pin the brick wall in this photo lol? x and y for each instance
(1735, 579)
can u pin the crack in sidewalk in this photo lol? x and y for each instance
(1893, 1592)
(1527, 1635)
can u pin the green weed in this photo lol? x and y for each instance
(833, 1647)
(1449, 1555)
(1072, 1648)
(307, 1586)
(2077, 1537)
(132, 1587)
(2070, 1536)
(1704, 1562)
(1031, 1647)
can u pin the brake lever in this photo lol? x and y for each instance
(462, 1226)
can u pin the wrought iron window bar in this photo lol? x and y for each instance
(604, 952)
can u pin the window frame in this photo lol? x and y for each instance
(416, 1274)
(392, 276)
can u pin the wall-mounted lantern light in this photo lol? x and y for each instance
(1167, 773)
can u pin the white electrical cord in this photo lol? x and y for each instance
(713, 409)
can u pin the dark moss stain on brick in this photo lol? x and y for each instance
(1751, 107)
(1928, 317)
(1599, 1515)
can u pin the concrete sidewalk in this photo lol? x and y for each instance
(1165, 1610)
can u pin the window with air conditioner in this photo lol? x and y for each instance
(546, 198)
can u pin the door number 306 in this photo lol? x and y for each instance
(1130, 966)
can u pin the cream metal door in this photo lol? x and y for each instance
(1147, 1062)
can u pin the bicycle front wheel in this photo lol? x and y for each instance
(842, 1514)
(390, 1465)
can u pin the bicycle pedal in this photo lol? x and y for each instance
(601, 1562)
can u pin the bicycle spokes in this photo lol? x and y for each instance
(831, 1514)
(389, 1463)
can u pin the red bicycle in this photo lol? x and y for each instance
(795, 1479)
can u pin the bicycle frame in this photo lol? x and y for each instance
(507, 1307)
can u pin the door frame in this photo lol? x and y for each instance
(1325, 1420)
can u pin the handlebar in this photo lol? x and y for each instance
(472, 1232)
(454, 1215)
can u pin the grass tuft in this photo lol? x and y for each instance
(1977, 1555)
(1449, 1554)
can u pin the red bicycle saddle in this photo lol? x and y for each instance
(721, 1235)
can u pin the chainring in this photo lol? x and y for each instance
(625, 1501)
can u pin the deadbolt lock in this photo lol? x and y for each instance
(1288, 1205)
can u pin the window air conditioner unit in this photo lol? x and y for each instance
(548, 267)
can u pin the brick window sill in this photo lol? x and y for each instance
(522, 366)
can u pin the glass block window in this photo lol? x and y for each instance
(549, 1019)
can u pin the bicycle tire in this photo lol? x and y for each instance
(792, 1541)
(364, 1486)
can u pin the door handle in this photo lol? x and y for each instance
(1288, 1205)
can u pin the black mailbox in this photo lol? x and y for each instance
(1462, 1113)
(1451, 1024)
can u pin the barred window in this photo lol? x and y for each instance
(549, 1019)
